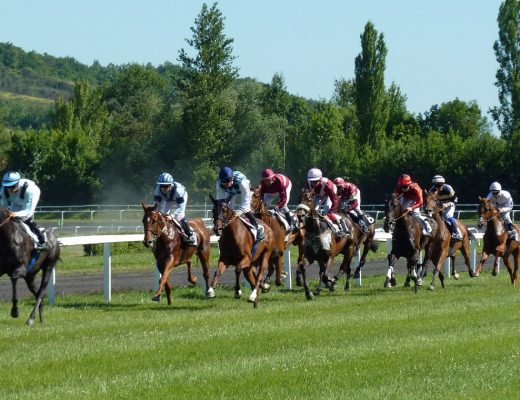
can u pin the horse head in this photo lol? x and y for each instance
(486, 211)
(431, 203)
(307, 198)
(223, 215)
(154, 224)
(257, 204)
(392, 211)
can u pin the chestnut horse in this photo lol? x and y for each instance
(18, 259)
(407, 240)
(237, 247)
(169, 248)
(282, 238)
(496, 240)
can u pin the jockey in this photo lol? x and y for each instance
(170, 195)
(503, 201)
(324, 192)
(232, 185)
(446, 197)
(276, 187)
(21, 197)
(412, 199)
(350, 200)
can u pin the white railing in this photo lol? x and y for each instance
(107, 240)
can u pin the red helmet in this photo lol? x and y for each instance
(267, 173)
(404, 180)
(339, 181)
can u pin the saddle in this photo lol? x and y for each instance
(190, 240)
(280, 217)
(251, 227)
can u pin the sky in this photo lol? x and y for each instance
(438, 50)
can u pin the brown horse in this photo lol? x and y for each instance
(169, 248)
(237, 247)
(18, 259)
(496, 240)
(282, 238)
(320, 245)
(407, 240)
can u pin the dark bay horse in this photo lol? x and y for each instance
(282, 238)
(496, 240)
(407, 240)
(320, 245)
(237, 247)
(170, 250)
(19, 260)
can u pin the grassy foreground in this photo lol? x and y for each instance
(372, 343)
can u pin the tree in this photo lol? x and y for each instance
(205, 95)
(371, 97)
(507, 115)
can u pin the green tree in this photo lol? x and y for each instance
(371, 97)
(205, 95)
(507, 114)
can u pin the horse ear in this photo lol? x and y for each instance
(142, 204)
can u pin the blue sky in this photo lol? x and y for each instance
(437, 49)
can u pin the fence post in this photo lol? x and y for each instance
(107, 272)
(287, 268)
(51, 288)
(357, 281)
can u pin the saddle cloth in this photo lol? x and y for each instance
(193, 238)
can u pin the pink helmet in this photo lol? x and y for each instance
(314, 174)
(267, 173)
(339, 181)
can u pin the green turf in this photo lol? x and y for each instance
(371, 343)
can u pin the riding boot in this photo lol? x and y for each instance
(187, 231)
(42, 243)
(344, 226)
(511, 231)
(259, 228)
(290, 220)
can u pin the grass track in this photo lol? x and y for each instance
(372, 343)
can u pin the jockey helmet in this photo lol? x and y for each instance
(225, 174)
(438, 179)
(267, 173)
(11, 178)
(339, 181)
(314, 174)
(165, 179)
(404, 180)
(495, 186)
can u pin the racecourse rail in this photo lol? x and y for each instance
(107, 240)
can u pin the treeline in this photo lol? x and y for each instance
(117, 129)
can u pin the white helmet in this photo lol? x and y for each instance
(165, 179)
(314, 174)
(495, 186)
(438, 179)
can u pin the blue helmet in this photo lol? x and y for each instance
(165, 179)
(225, 174)
(11, 178)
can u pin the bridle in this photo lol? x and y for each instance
(483, 219)
(153, 227)
(219, 216)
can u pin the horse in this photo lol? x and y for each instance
(496, 240)
(456, 245)
(320, 245)
(238, 248)
(19, 259)
(170, 250)
(282, 238)
(407, 240)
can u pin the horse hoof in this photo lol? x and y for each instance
(29, 322)
(309, 295)
(316, 292)
(299, 282)
(456, 276)
(431, 287)
(347, 286)
(472, 274)
(266, 287)
(393, 282)
(494, 273)
(406, 284)
(15, 313)
(156, 298)
(332, 286)
(210, 294)
(238, 294)
(387, 283)
(419, 282)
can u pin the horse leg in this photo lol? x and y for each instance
(279, 268)
(168, 267)
(509, 269)
(46, 273)
(191, 279)
(453, 270)
(301, 269)
(483, 259)
(464, 249)
(14, 309)
(262, 268)
(412, 271)
(218, 273)
(494, 272)
(329, 281)
(345, 269)
(203, 257)
(301, 253)
(168, 291)
(390, 278)
(238, 290)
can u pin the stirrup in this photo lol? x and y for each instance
(42, 246)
